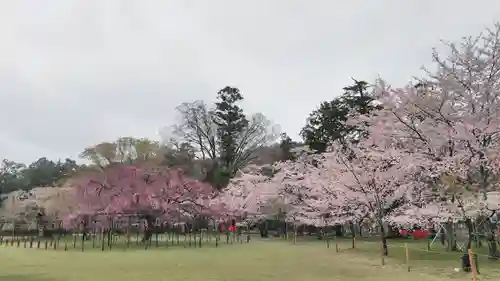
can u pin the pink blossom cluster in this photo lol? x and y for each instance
(432, 152)
(139, 190)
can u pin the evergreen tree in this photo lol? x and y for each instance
(328, 122)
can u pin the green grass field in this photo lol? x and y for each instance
(259, 260)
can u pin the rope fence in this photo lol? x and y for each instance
(107, 240)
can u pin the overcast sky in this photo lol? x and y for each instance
(77, 72)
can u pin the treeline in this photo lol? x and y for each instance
(41, 173)
(210, 142)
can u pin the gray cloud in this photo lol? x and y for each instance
(77, 72)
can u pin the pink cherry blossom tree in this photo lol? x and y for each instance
(253, 196)
(260, 192)
(374, 181)
(143, 190)
(333, 187)
(445, 213)
(305, 187)
(453, 115)
(247, 192)
(365, 181)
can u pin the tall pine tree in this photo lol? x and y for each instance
(328, 122)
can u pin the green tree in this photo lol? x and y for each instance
(123, 150)
(45, 173)
(12, 176)
(286, 146)
(17, 178)
(224, 138)
(328, 122)
(182, 156)
(231, 122)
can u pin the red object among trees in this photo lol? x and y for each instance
(420, 234)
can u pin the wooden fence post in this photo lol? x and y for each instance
(407, 255)
(472, 265)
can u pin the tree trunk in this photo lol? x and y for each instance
(470, 231)
(492, 245)
(450, 236)
(301, 230)
(148, 229)
(383, 238)
(294, 233)
(360, 225)
(442, 236)
(353, 231)
(338, 230)
(84, 230)
(477, 241)
(263, 229)
(465, 258)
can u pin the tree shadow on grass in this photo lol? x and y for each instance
(20, 277)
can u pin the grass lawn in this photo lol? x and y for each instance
(259, 260)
